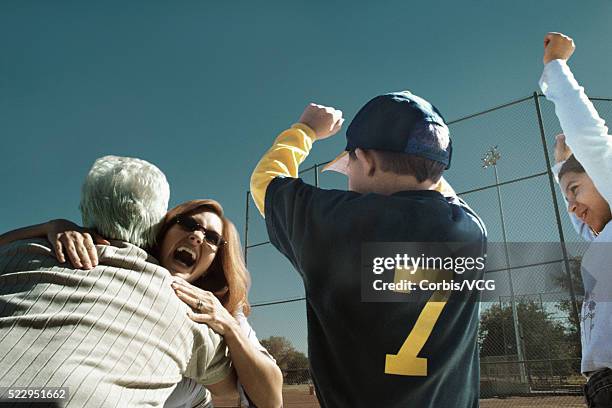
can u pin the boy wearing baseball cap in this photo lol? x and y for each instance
(366, 354)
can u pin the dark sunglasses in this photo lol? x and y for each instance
(189, 224)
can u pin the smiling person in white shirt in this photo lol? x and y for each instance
(584, 179)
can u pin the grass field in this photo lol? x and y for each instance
(300, 397)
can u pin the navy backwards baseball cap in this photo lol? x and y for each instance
(396, 122)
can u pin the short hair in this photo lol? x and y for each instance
(571, 165)
(404, 164)
(124, 198)
(410, 165)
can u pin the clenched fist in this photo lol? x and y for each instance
(557, 46)
(324, 120)
(562, 150)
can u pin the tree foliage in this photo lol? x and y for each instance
(565, 305)
(294, 364)
(543, 337)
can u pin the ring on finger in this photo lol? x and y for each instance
(199, 305)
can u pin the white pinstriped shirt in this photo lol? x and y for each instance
(115, 335)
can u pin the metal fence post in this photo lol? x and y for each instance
(551, 183)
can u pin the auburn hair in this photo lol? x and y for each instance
(227, 276)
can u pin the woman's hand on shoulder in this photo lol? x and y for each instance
(77, 243)
(206, 307)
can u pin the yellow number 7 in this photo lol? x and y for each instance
(406, 361)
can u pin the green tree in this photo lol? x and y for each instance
(293, 364)
(543, 337)
(565, 305)
(280, 348)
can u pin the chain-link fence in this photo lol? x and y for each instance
(529, 336)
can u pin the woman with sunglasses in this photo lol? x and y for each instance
(201, 249)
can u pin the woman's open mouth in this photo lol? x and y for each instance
(185, 255)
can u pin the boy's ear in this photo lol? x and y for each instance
(368, 159)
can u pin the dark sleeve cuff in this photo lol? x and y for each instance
(269, 207)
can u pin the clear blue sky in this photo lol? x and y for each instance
(201, 88)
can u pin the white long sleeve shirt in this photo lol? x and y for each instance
(587, 136)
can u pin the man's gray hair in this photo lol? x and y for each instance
(125, 199)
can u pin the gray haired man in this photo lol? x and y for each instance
(112, 335)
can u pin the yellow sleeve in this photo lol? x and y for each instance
(289, 150)
(444, 188)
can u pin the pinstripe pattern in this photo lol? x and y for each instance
(115, 335)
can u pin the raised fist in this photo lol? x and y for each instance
(557, 46)
(324, 120)
(562, 150)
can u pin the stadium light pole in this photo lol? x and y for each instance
(490, 159)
